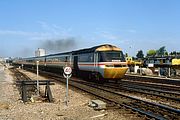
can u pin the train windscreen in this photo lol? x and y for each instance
(111, 56)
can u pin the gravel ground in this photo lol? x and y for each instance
(12, 108)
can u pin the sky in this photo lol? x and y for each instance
(66, 25)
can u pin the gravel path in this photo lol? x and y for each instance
(12, 108)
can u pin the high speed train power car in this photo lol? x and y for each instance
(95, 63)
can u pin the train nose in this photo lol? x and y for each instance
(115, 73)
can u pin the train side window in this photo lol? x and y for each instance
(65, 59)
(90, 57)
(87, 57)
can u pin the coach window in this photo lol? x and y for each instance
(66, 59)
(90, 57)
(49, 59)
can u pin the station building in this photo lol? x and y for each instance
(40, 52)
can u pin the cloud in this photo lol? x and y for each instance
(29, 41)
(25, 52)
(56, 38)
(109, 36)
(20, 33)
(55, 29)
(48, 31)
(50, 28)
(16, 34)
(114, 35)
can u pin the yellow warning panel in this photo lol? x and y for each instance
(175, 61)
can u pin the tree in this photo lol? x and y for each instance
(151, 52)
(140, 54)
(166, 53)
(161, 51)
(174, 53)
(126, 55)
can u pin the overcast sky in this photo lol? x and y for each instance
(73, 24)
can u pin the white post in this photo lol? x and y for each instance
(67, 74)
(67, 89)
(159, 72)
(140, 70)
(22, 66)
(169, 72)
(37, 77)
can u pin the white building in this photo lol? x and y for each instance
(1, 59)
(40, 52)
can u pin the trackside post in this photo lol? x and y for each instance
(37, 63)
(67, 74)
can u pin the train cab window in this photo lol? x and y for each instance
(111, 56)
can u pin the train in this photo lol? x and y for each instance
(102, 62)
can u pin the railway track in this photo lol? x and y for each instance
(156, 80)
(19, 75)
(150, 109)
(166, 87)
(171, 98)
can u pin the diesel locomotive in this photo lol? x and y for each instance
(95, 63)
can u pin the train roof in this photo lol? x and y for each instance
(65, 53)
(105, 47)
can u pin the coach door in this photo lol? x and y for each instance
(96, 61)
(96, 66)
(75, 65)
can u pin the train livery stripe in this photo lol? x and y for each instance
(90, 64)
(100, 64)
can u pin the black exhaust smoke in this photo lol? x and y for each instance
(59, 45)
